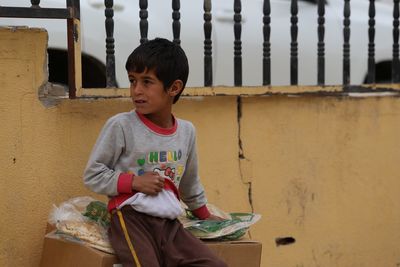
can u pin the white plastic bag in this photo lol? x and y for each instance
(77, 220)
(163, 205)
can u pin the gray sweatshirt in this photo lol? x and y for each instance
(129, 144)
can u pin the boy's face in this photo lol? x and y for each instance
(148, 93)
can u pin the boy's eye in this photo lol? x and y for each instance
(132, 81)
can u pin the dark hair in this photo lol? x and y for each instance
(167, 59)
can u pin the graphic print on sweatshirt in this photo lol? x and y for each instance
(165, 163)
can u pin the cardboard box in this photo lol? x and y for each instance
(238, 253)
(61, 253)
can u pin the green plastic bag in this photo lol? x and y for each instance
(233, 227)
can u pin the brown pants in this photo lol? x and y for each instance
(158, 242)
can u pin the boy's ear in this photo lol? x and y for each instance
(175, 88)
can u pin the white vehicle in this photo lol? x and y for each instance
(127, 36)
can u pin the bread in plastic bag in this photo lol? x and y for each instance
(82, 219)
(233, 227)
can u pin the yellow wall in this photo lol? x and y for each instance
(322, 170)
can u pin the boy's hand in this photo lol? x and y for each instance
(150, 183)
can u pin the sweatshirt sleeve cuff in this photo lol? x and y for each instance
(125, 183)
(202, 212)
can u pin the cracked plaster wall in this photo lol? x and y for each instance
(325, 172)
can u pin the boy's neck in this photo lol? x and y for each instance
(161, 120)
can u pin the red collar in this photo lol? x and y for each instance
(157, 129)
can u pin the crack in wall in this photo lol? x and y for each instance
(241, 155)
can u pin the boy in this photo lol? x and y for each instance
(144, 160)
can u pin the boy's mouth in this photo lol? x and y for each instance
(140, 101)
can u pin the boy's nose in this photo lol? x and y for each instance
(135, 89)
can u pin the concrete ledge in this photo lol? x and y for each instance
(333, 90)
